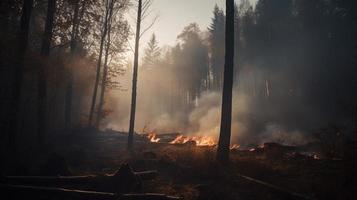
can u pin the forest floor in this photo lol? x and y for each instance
(191, 172)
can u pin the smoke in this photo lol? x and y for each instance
(250, 126)
(277, 133)
(205, 118)
(246, 129)
(155, 109)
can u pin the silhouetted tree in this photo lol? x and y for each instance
(217, 36)
(135, 78)
(104, 83)
(105, 67)
(69, 87)
(143, 12)
(18, 72)
(108, 4)
(42, 77)
(193, 68)
(226, 117)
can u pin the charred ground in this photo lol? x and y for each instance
(271, 171)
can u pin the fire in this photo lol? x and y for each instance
(235, 147)
(153, 137)
(198, 140)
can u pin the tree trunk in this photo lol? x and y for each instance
(103, 86)
(18, 72)
(226, 117)
(95, 90)
(135, 78)
(42, 77)
(69, 86)
(105, 70)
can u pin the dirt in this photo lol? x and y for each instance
(191, 172)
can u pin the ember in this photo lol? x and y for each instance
(235, 147)
(198, 140)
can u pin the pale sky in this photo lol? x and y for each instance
(174, 15)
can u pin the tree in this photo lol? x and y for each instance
(143, 12)
(104, 81)
(117, 35)
(216, 31)
(69, 87)
(18, 72)
(135, 78)
(193, 67)
(152, 53)
(226, 116)
(105, 68)
(42, 77)
(108, 4)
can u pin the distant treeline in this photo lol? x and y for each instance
(295, 59)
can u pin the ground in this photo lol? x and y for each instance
(191, 172)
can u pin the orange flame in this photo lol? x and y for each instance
(153, 137)
(199, 140)
(235, 147)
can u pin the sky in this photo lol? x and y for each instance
(174, 15)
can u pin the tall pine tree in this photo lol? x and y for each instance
(217, 36)
(152, 53)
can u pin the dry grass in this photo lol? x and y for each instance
(191, 172)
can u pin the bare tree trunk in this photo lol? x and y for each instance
(135, 78)
(42, 77)
(105, 70)
(69, 86)
(95, 90)
(226, 118)
(18, 73)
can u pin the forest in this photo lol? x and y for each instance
(258, 104)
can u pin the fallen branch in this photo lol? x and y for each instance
(124, 180)
(145, 175)
(36, 191)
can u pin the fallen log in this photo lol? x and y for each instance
(124, 180)
(30, 192)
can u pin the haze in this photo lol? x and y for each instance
(174, 15)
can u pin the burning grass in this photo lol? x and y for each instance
(196, 140)
(153, 137)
